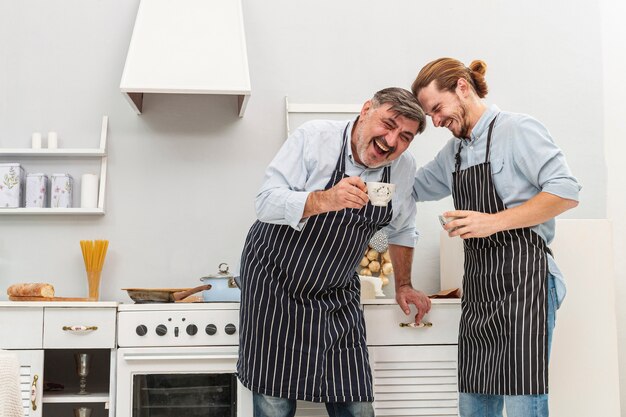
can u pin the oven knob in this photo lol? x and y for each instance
(230, 328)
(141, 330)
(161, 330)
(211, 329)
(192, 329)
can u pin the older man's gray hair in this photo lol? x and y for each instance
(403, 102)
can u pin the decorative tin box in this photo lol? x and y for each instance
(12, 178)
(61, 186)
(36, 190)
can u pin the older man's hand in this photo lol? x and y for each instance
(407, 295)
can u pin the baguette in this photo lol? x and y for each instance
(31, 290)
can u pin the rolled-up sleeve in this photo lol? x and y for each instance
(401, 231)
(282, 195)
(542, 162)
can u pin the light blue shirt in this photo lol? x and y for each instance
(524, 162)
(306, 162)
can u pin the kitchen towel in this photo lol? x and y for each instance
(10, 395)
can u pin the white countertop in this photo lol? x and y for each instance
(179, 306)
(72, 304)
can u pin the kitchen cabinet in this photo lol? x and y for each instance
(47, 335)
(414, 369)
(31, 381)
(33, 156)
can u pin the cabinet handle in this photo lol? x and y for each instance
(33, 392)
(412, 324)
(80, 328)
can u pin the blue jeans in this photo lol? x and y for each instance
(484, 405)
(267, 406)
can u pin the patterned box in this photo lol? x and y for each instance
(61, 186)
(12, 178)
(36, 190)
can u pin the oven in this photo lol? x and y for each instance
(179, 360)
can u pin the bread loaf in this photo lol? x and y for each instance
(31, 290)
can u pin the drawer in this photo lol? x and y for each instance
(383, 325)
(27, 322)
(98, 322)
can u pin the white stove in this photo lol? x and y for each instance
(179, 359)
(178, 324)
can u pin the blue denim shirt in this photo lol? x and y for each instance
(524, 162)
(306, 162)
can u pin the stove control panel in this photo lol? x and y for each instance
(178, 328)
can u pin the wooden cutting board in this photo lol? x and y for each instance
(14, 298)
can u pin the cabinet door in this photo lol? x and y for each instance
(31, 380)
(415, 380)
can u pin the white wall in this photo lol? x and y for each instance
(614, 108)
(60, 67)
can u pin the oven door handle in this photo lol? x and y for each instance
(134, 357)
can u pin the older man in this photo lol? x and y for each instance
(302, 330)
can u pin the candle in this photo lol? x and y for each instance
(89, 191)
(52, 140)
(36, 140)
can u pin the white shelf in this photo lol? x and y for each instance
(99, 152)
(64, 397)
(52, 211)
(95, 153)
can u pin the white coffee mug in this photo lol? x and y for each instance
(380, 193)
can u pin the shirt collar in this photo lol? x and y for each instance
(483, 123)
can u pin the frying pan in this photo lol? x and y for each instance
(162, 295)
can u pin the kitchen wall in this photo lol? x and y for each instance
(183, 176)
(614, 107)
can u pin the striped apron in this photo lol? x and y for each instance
(503, 343)
(302, 329)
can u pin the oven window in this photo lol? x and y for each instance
(188, 395)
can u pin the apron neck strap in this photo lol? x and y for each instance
(341, 162)
(493, 122)
(457, 156)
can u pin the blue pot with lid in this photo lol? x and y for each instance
(223, 286)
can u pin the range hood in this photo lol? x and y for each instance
(187, 47)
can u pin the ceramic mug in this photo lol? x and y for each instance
(380, 193)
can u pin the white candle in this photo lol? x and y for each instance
(52, 140)
(36, 140)
(89, 191)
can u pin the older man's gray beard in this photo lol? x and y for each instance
(362, 151)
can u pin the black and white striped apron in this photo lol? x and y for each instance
(302, 329)
(503, 340)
